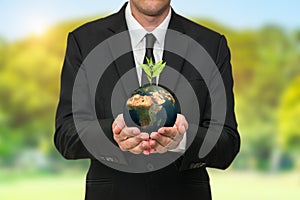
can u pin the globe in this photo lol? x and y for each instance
(150, 107)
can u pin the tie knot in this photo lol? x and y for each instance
(150, 40)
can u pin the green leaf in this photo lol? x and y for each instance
(148, 60)
(158, 69)
(159, 63)
(153, 70)
(156, 66)
(151, 62)
(146, 69)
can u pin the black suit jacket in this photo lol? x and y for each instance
(187, 175)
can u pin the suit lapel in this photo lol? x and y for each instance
(121, 50)
(175, 41)
(124, 62)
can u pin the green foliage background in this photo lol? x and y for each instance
(266, 67)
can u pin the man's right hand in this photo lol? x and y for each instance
(130, 138)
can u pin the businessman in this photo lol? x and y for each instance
(185, 177)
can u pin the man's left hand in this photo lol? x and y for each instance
(168, 138)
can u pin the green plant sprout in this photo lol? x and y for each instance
(153, 69)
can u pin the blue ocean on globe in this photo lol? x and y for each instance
(151, 107)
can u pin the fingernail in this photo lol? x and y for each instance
(115, 129)
(153, 136)
(144, 137)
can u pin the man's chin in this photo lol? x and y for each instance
(155, 10)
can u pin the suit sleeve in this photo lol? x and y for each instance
(66, 138)
(228, 144)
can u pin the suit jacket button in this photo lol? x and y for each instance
(150, 167)
(192, 166)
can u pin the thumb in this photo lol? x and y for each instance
(181, 129)
(118, 124)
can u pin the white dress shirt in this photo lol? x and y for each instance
(138, 42)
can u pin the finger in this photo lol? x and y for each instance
(181, 129)
(117, 130)
(160, 149)
(137, 150)
(142, 147)
(146, 147)
(128, 132)
(118, 124)
(127, 143)
(119, 121)
(124, 135)
(168, 131)
(166, 142)
(161, 139)
(152, 143)
(181, 121)
(131, 143)
(149, 147)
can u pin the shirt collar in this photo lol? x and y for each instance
(137, 31)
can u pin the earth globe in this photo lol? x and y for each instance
(151, 107)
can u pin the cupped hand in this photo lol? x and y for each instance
(130, 139)
(168, 138)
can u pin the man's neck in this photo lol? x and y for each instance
(149, 22)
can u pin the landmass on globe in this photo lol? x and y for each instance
(150, 107)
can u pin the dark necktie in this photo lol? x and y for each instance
(150, 40)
